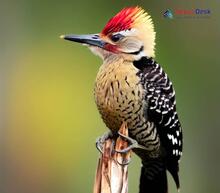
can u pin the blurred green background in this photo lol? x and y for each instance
(49, 121)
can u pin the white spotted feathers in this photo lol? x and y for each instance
(160, 97)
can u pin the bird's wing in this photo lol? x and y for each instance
(161, 109)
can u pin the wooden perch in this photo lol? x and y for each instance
(112, 172)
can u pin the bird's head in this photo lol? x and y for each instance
(129, 34)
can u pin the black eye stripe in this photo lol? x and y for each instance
(116, 37)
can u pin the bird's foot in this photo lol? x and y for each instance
(124, 162)
(133, 144)
(101, 140)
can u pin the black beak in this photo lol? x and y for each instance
(90, 39)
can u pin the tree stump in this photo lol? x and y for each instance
(112, 170)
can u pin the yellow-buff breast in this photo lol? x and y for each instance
(118, 94)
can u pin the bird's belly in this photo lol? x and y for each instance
(119, 97)
(116, 108)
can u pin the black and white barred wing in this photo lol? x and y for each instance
(162, 111)
(160, 97)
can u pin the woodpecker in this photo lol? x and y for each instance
(132, 87)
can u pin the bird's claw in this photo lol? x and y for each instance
(101, 140)
(133, 144)
(124, 163)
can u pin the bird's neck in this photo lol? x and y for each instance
(112, 58)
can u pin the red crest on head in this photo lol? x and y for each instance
(121, 21)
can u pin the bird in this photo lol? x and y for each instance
(132, 88)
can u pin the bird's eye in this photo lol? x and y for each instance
(116, 37)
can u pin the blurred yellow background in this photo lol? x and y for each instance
(49, 121)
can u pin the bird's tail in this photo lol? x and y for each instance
(153, 178)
